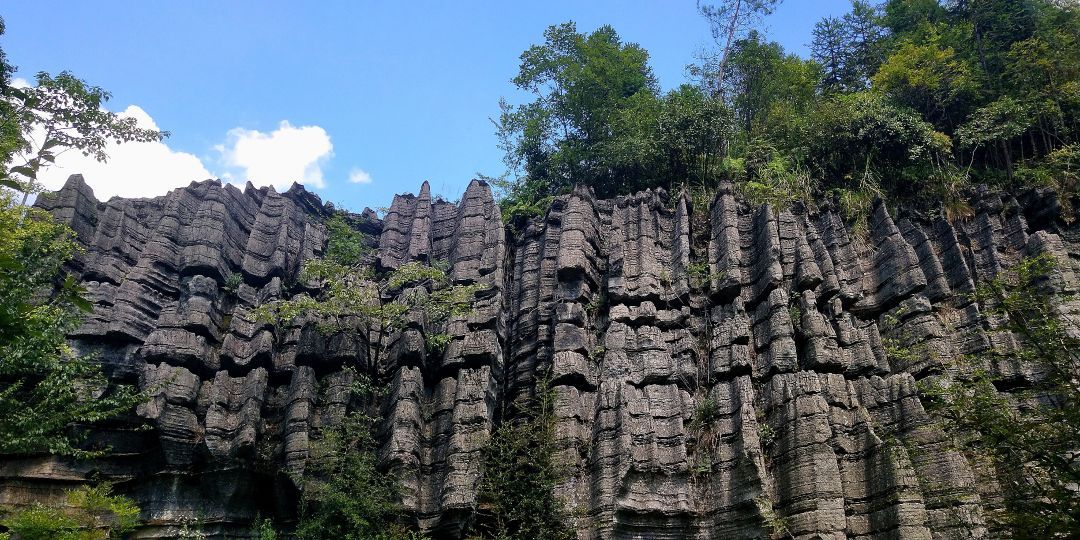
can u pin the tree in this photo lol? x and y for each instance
(931, 78)
(849, 48)
(596, 103)
(848, 137)
(45, 387)
(769, 87)
(517, 499)
(692, 131)
(867, 38)
(47, 390)
(997, 123)
(58, 114)
(728, 21)
(346, 494)
(995, 26)
(1029, 434)
(912, 17)
(831, 49)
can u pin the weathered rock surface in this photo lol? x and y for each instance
(714, 367)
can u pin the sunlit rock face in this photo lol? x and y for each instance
(645, 311)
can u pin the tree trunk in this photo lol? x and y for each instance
(1008, 159)
(727, 47)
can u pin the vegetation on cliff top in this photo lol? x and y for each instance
(915, 100)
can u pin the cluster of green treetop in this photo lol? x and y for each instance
(913, 101)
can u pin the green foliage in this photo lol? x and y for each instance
(768, 86)
(766, 434)
(591, 91)
(708, 411)
(795, 314)
(349, 289)
(911, 101)
(728, 20)
(771, 178)
(232, 283)
(855, 205)
(698, 272)
(92, 513)
(46, 388)
(1001, 120)
(67, 112)
(345, 493)
(929, 78)
(774, 523)
(191, 528)
(517, 500)
(690, 132)
(345, 246)
(1029, 434)
(704, 436)
(264, 529)
(1059, 170)
(599, 119)
(848, 138)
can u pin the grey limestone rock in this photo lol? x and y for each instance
(708, 383)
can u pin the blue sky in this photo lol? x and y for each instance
(401, 91)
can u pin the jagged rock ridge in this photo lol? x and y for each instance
(647, 312)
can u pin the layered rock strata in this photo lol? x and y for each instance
(717, 369)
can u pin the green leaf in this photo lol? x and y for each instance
(27, 171)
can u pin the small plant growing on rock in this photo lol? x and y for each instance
(264, 529)
(597, 353)
(708, 411)
(796, 316)
(766, 433)
(665, 277)
(597, 303)
(191, 529)
(705, 415)
(698, 273)
(232, 283)
(92, 513)
(350, 290)
(775, 524)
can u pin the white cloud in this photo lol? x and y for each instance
(132, 170)
(359, 176)
(19, 82)
(286, 155)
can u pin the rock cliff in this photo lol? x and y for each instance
(648, 311)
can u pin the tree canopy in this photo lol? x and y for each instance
(914, 100)
(48, 390)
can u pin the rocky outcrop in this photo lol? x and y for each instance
(716, 369)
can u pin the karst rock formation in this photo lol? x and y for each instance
(645, 310)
